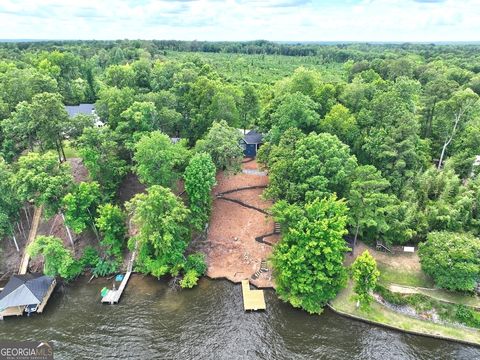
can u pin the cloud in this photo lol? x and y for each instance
(430, 1)
(275, 3)
(291, 20)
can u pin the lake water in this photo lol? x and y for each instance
(153, 321)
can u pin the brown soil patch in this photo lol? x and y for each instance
(129, 187)
(249, 164)
(79, 171)
(251, 197)
(231, 249)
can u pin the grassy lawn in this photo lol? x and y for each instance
(70, 152)
(383, 315)
(390, 275)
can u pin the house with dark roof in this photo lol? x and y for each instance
(29, 293)
(251, 142)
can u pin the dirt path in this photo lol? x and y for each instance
(231, 249)
(438, 294)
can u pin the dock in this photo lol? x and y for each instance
(252, 299)
(31, 236)
(113, 296)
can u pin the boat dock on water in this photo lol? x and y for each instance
(252, 299)
(112, 296)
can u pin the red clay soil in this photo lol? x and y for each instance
(249, 164)
(231, 249)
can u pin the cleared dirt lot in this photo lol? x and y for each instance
(231, 249)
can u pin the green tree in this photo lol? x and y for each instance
(452, 260)
(43, 122)
(224, 107)
(222, 142)
(142, 72)
(194, 267)
(318, 165)
(163, 233)
(101, 156)
(57, 259)
(454, 114)
(158, 161)
(294, 110)
(19, 85)
(112, 102)
(120, 76)
(340, 122)
(42, 179)
(308, 260)
(369, 204)
(444, 203)
(9, 202)
(140, 117)
(199, 179)
(249, 107)
(365, 275)
(390, 133)
(466, 150)
(80, 206)
(111, 223)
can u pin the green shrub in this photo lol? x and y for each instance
(89, 257)
(189, 280)
(105, 267)
(390, 297)
(468, 316)
(196, 262)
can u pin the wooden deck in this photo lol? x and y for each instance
(31, 236)
(113, 296)
(12, 311)
(252, 299)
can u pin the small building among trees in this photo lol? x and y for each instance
(84, 109)
(29, 293)
(251, 142)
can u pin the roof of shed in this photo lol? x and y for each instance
(25, 289)
(253, 137)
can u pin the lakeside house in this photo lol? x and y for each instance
(251, 142)
(84, 109)
(26, 293)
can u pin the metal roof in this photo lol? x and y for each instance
(25, 289)
(253, 137)
(79, 109)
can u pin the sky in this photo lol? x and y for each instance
(239, 20)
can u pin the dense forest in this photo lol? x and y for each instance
(364, 142)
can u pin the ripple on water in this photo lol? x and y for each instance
(153, 321)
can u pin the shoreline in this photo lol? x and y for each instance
(392, 327)
(346, 313)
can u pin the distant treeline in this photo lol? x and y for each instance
(328, 52)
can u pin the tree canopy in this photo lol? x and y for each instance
(452, 260)
(308, 260)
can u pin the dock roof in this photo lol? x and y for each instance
(25, 289)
